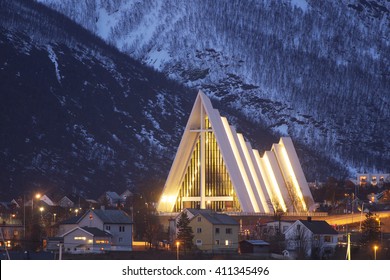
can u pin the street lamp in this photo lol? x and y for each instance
(380, 230)
(375, 249)
(41, 210)
(361, 217)
(177, 249)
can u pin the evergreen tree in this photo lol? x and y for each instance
(185, 234)
(370, 229)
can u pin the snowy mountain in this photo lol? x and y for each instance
(78, 115)
(316, 70)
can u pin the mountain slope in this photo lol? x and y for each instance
(76, 114)
(316, 70)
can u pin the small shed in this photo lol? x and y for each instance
(254, 247)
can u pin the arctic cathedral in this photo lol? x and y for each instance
(215, 168)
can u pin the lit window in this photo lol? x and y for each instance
(227, 242)
(101, 241)
(80, 238)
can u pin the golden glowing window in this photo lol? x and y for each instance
(80, 238)
(101, 241)
(217, 179)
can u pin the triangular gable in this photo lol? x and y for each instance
(234, 156)
(76, 228)
(254, 183)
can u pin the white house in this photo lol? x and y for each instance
(272, 228)
(115, 222)
(65, 202)
(81, 240)
(311, 239)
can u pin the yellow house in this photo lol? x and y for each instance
(214, 232)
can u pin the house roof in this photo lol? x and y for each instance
(319, 227)
(256, 242)
(72, 220)
(113, 195)
(218, 219)
(96, 232)
(113, 216)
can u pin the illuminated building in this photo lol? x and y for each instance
(215, 168)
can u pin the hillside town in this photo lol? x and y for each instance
(226, 201)
(127, 225)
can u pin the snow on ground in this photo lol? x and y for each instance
(53, 58)
(302, 4)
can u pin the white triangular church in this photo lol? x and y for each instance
(215, 168)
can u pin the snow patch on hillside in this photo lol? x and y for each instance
(53, 58)
(302, 4)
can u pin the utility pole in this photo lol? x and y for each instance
(348, 257)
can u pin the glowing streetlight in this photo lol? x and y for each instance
(41, 210)
(177, 249)
(76, 211)
(375, 249)
(54, 217)
(37, 196)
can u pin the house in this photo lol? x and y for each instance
(47, 200)
(311, 239)
(254, 247)
(214, 232)
(110, 199)
(80, 240)
(191, 212)
(272, 228)
(115, 222)
(65, 202)
(125, 195)
(364, 179)
(68, 224)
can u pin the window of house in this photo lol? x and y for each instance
(327, 238)
(199, 219)
(217, 242)
(121, 228)
(120, 239)
(80, 238)
(198, 242)
(108, 227)
(228, 242)
(199, 230)
(228, 231)
(217, 230)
